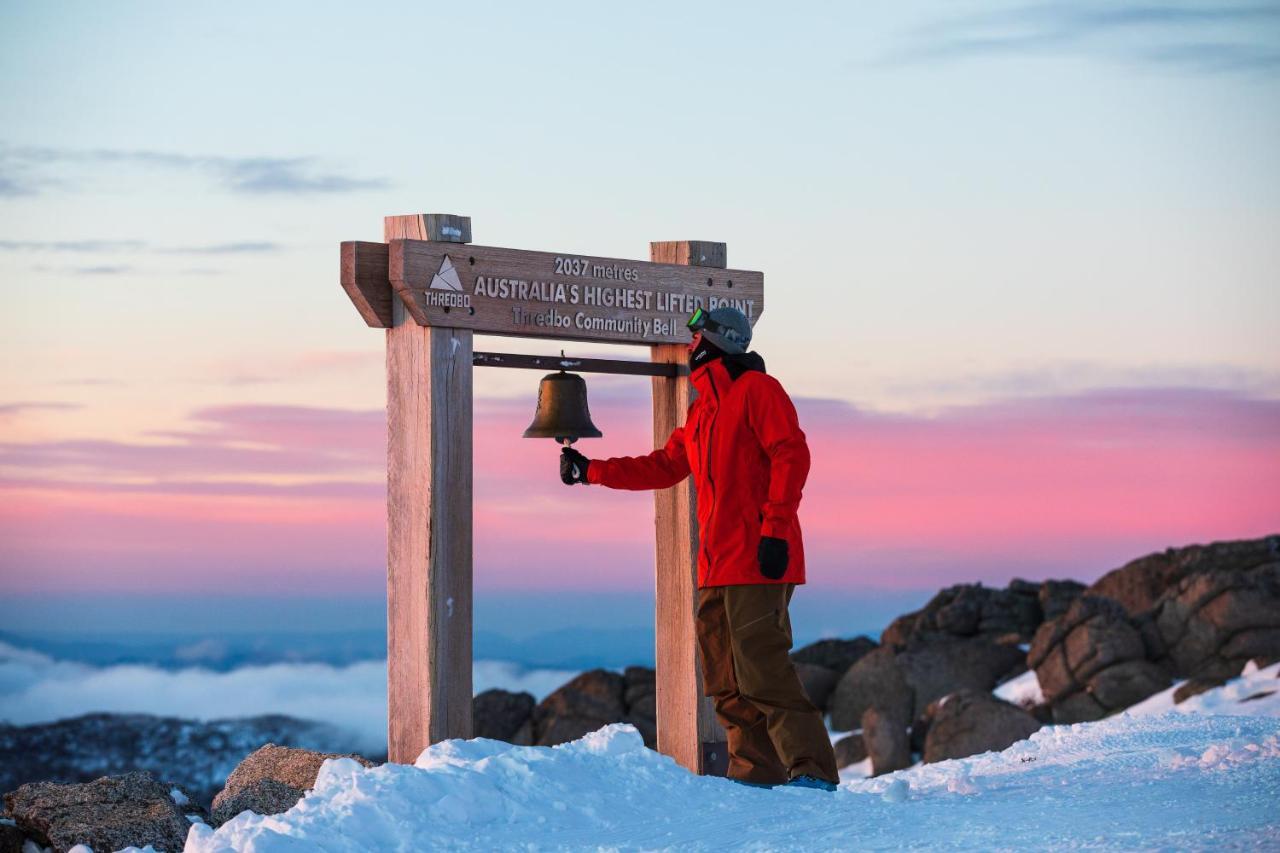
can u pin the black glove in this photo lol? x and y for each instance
(772, 555)
(573, 466)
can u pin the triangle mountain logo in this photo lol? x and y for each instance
(446, 278)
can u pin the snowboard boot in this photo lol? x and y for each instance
(751, 784)
(811, 782)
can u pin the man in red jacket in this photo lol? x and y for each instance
(743, 445)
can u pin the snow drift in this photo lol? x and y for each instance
(1124, 782)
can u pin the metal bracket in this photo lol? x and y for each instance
(581, 365)
(715, 758)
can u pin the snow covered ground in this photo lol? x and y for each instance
(1129, 782)
(1022, 690)
(1255, 692)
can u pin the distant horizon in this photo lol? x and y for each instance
(516, 614)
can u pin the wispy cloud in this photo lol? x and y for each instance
(90, 381)
(112, 246)
(13, 187)
(255, 248)
(245, 370)
(102, 269)
(251, 440)
(248, 248)
(1189, 36)
(1074, 376)
(23, 170)
(72, 246)
(11, 409)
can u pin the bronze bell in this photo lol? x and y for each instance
(562, 410)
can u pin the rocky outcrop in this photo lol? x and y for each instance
(503, 715)
(261, 796)
(594, 699)
(935, 669)
(818, 682)
(1210, 623)
(1199, 612)
(970, 610)
(902, 681)
(586, 703)
(270, 780)
(876, 680)
(11, 838)
(850, 749)
(1092, 661)
(1194, 687)
(885, 739)
(969, 722)
(193, 754)
(835, 655)
(1056, 597)
(1139, 584)
(640, 695)
(107, 814)
(820, 665)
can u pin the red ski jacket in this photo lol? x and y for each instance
(743, 444)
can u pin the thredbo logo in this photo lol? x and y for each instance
(446, 288)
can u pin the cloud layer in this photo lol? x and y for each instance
(35, 688)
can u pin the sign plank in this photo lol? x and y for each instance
(560, 295)
(364, 278)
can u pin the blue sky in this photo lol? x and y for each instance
(956, 206)
(945, 196)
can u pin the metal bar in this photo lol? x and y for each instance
(580, 365)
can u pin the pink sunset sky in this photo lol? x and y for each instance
(1021, 266)
(288, 498)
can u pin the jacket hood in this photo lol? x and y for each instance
(740, 363)
(733, 366)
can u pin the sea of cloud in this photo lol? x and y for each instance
(35, 688)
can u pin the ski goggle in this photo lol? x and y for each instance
(700, 320)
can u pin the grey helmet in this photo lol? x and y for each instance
(726, 327)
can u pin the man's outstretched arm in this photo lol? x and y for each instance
(662, 468)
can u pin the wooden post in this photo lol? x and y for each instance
(687, 727)
(428, 517)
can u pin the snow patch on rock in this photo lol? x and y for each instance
(1254, 693)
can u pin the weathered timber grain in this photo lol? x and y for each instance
(687, 727)
(429, 530)
(696, 253)
(442, 227)
(364, 278)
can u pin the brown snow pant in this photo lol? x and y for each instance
(775, 733)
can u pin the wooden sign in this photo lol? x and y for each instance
(449, 288)
(540, 294)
